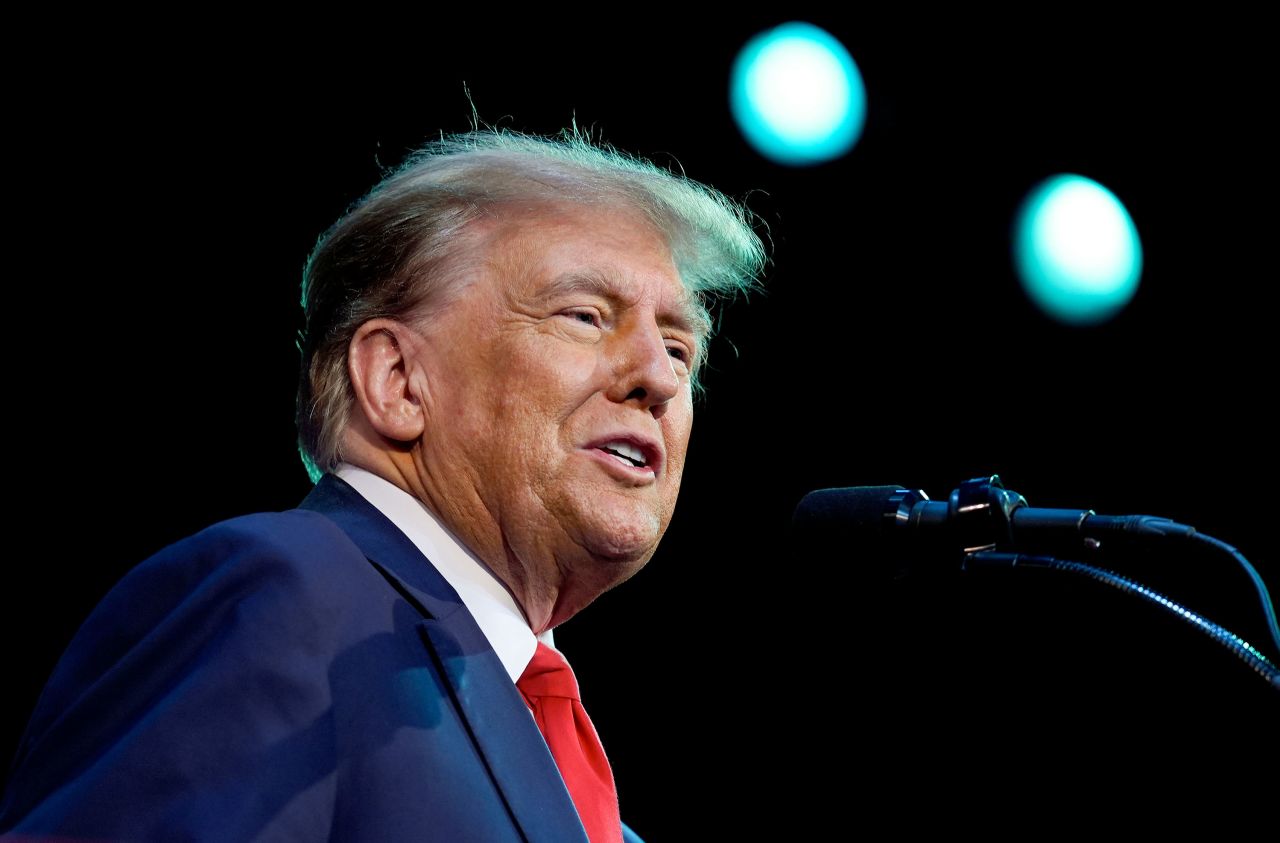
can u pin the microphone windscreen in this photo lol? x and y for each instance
(844, 526)
(848, 508)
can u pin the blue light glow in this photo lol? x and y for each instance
(797, 95)
(1076, 250)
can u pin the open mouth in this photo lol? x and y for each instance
(625, 453)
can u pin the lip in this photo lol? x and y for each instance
(651, 448)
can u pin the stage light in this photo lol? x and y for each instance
(1076, 250)
(797, 95)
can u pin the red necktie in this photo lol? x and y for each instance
(551, 691)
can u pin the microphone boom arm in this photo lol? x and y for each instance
(1242, 649)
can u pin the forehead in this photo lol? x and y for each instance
(549, 249)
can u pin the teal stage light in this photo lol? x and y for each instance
(797, 95)
(1076, 250)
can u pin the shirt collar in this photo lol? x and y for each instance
(486, 598)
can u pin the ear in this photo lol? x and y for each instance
(382, 368)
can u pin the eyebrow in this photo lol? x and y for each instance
(689, 317)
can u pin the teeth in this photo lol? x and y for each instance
(623, 449)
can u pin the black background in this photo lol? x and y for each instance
(171, 186)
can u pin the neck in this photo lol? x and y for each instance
(544, 603)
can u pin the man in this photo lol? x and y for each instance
(501, 347)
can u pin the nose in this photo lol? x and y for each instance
(643, 372)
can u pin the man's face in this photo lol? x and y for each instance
(558, 396)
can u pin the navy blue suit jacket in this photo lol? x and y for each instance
(292, 676)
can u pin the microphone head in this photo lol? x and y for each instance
(853, 524)
(886, 532)
(848, 508)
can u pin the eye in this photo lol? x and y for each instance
(585, 317)
(680, 354)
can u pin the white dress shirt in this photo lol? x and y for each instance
(486, 598)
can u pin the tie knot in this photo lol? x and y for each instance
(548, 675)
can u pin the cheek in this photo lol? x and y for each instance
(676, 430)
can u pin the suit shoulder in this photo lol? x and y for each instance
(266, 586)
(199, 660)
(292, 537)
(271, 564)
(300, 552)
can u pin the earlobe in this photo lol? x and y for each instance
(383, 371)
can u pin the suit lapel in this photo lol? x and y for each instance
(508, 738)
(505, 734)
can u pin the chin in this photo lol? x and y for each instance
(632, 538)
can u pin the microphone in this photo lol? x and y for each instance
(891, 522)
